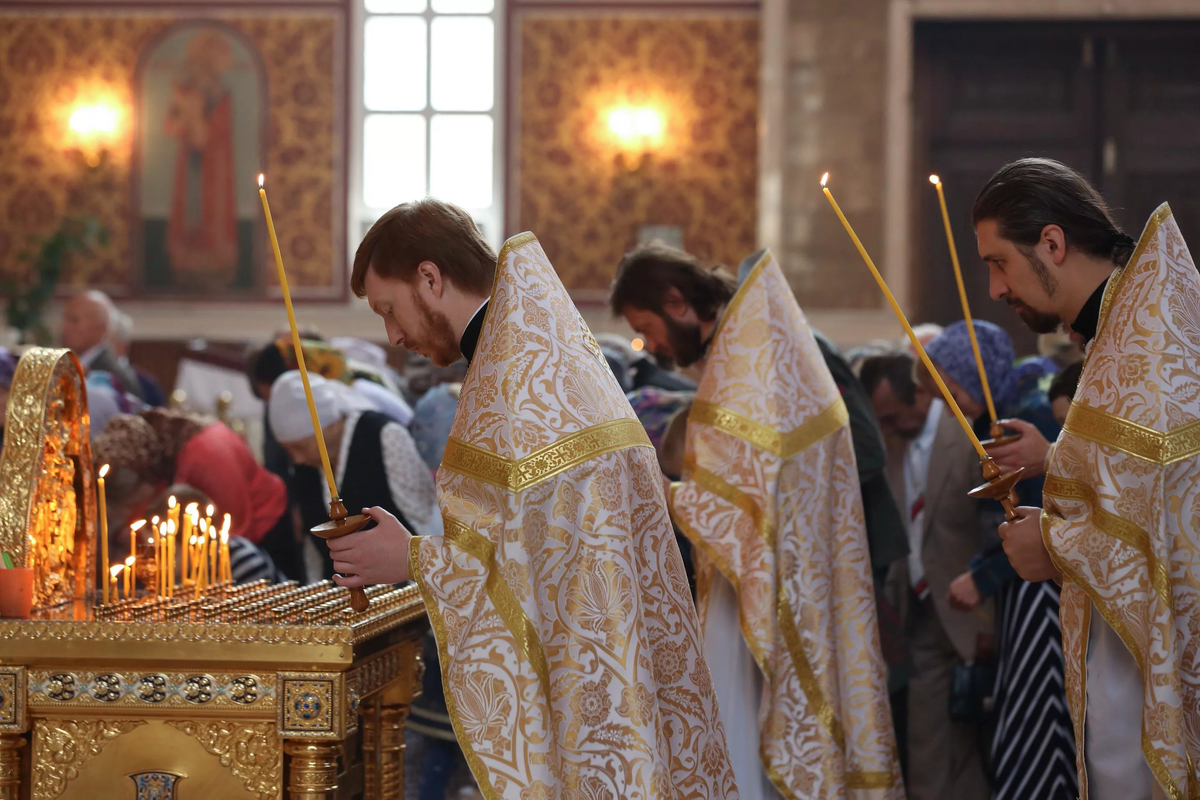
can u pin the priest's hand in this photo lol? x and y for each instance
(1025, 549)
(374, 556)
(1029, 451)
(964, 594)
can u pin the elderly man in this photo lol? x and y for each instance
(87, 324)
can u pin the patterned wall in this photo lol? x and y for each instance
(50, 63)
(567, 181)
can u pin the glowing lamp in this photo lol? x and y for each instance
(637, 345)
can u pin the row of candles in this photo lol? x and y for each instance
(203, 557)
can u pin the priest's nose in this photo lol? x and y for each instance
(997, 287)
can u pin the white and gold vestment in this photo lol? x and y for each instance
(569, 646)
(1122, 501)
(770, 498)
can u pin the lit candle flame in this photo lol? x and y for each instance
(115, 569)
(935, 180)
(260, 180)
(154, 520)
(191, 508)
(104, 471)
(171, 502)
(171, 527)
(208, 512)
(129, 562)
(824, 178)
(137, 526)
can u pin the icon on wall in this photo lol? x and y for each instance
(201, 113)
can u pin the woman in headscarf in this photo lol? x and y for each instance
(375, 386)
(374, 459)
(164, 447)
(1033, 751)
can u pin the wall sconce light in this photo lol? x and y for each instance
(638, 130)
(94, 127)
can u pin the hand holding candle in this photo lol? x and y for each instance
(341, 524)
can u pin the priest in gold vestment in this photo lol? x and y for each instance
(770, 498)
(569, 646)
(1121, 523)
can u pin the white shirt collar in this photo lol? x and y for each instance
(925, 440)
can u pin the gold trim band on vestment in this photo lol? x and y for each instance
(783, 445)
(507, 606)
(1115, 526)
(742, 291)
(785, 619)
(1108, 430)
(517, 475)
(441, 637)
(1160, 215)
(710, 552)
(1153, 759)
(732, 495)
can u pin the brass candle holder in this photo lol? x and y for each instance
(340, 524)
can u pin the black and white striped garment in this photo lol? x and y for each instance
(247, 563)
(1033, 751)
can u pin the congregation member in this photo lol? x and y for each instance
(162, 447)
(582, 545)
(945, 754)
(87, 324)
(1033, 750)
(772, 498)
(374, 459)
(1118, 523)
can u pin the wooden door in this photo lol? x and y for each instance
(1120, 102)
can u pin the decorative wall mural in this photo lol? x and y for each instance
(283, 74)
(684, 90)
(201, 103)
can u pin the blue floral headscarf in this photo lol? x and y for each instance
(951, 352)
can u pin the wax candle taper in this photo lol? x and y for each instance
(912, 337)
(113, 572)
(130, 578)
(962, 295)
(291, 314)
(103, 529)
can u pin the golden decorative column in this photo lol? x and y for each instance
(10, 766)
(312, 770)
(383, 751)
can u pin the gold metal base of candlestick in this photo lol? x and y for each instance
(999, 486)
(340, 524)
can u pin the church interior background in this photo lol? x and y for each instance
(141, 126)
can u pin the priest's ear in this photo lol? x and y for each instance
(429, 275)
(675, 306)
(1054, 242)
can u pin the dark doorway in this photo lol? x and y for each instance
(1118, 101)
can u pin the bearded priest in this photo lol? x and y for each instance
(1119, 527)
(569, 647)
(770, 499)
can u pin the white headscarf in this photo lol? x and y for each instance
(288, 410)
